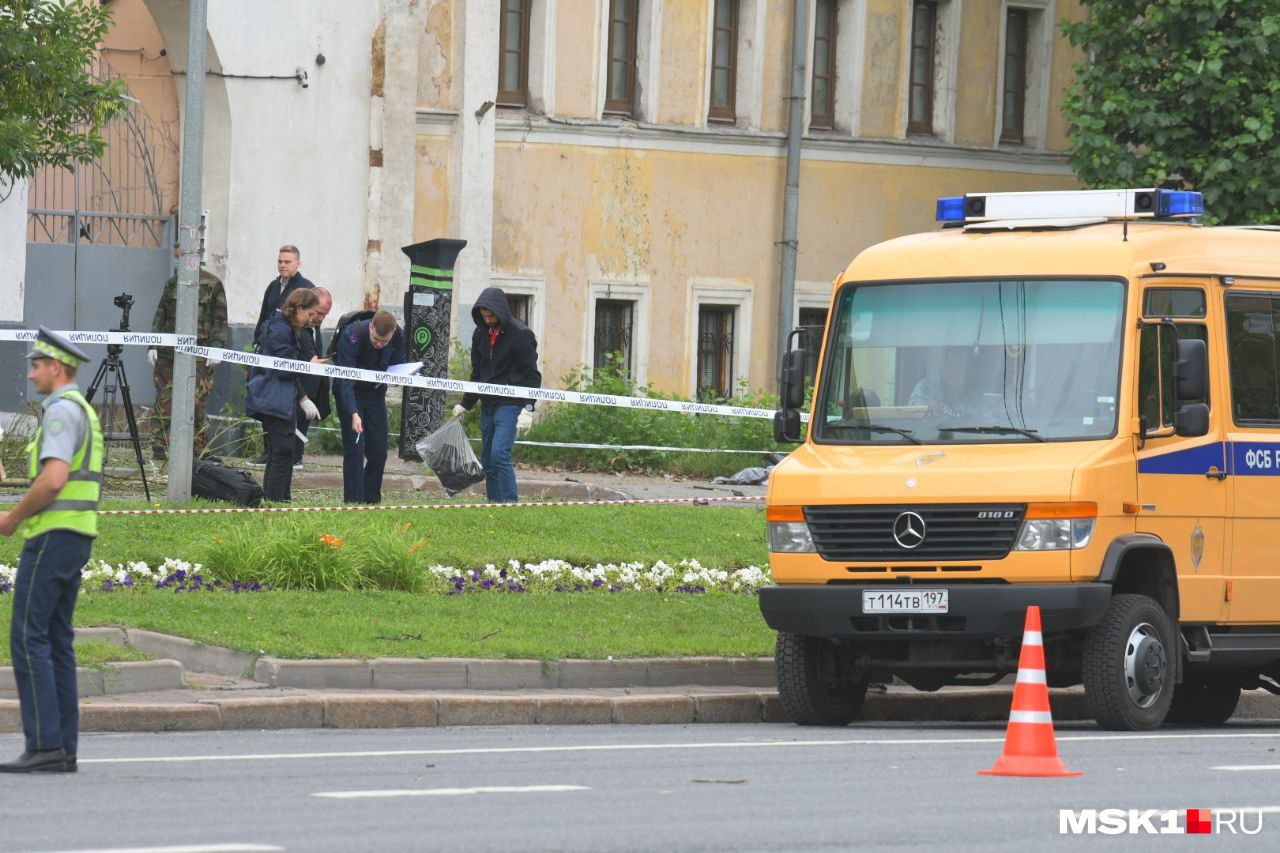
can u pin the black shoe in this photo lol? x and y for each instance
(71, 763)
(39, 761)
(159, 454)
(260, 462)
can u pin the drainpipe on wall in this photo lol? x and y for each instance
(791, 199)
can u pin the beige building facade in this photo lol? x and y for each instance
(617, 166)
(631, 168)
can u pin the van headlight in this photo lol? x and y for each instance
(790, 537)
(788, 532)
(1057, 527)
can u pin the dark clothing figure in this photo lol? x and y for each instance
(211, 331)
(272, 396)
(507, 354)
(273, 297)
(364, 454)
(310, 344)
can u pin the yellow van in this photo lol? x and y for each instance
(1063, 399)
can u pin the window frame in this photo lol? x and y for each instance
(724, 114)
(824, 120)
(629, 326)
(518, 97)
(622, 106)
(726, 353)
(1015, 132)
(1250, 423)
(929, 72)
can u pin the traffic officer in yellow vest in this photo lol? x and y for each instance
(57, 517)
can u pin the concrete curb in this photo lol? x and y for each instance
(391, 710)
(113, 678)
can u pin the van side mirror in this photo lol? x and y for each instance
(786, 426)
(1191, 371)
(791, 380)
(1191, 419)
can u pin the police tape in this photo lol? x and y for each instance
(187, 344)
(377, 507)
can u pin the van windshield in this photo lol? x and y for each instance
(971, 361)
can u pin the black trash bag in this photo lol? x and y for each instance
(448, 452)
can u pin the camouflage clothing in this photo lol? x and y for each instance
(211, 330)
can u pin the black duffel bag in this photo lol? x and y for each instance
(216, 482)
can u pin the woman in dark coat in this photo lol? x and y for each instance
(274, 396)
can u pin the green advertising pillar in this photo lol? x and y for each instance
(427, 307)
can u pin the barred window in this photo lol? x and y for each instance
(613, 333)
(519, 304)
(715, 351)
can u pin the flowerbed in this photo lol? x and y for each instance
(686, 577)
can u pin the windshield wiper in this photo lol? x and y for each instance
(995, 430)
(905, 433)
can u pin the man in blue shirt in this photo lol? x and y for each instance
(373, 344)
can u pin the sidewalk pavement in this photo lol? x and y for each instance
(325, 471)
(197, 687)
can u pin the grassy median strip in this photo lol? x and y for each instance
(719, 536)
(394, 624)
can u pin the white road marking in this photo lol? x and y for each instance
(449, 792)
(639, 747)
(1247, 767)
(186, 848)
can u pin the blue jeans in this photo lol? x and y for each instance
(41, 635)
(364, 455)
(498, 431)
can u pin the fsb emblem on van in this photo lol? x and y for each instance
(1094, 380)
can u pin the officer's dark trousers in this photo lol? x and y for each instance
(364, 455)
(277, 479)
(40, 637)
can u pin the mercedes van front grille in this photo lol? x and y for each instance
(907, 532)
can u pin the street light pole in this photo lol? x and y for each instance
(182, 416)
(791, 200)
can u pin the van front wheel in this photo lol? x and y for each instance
(1127, 666)
(818, 682)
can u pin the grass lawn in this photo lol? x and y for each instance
(368, 624)
(394, 624)
(718, 536)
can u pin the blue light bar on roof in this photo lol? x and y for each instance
(951, 209)
(1179, 203)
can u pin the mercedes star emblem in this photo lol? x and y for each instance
(908, 530)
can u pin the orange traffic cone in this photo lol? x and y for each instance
(1029, 746)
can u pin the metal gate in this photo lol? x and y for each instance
(97, 230)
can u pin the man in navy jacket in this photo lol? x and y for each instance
(287, 280)
(373, 344)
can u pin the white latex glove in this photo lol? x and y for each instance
(524, 421)
(357, 425)
(459, 411)
(152, 355)
(309, 409)
(212, 359)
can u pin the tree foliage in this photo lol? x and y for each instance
(1183, 94)
(52, 110)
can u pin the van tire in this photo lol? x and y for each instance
(1127, 666)
(1207, 699)
(816, 681)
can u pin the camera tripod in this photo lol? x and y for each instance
(112, 366)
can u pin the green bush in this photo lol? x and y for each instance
(608, 425)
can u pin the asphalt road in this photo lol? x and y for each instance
(704, 787)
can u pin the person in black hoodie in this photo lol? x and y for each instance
(504, 351)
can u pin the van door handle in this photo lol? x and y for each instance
(1215, 474)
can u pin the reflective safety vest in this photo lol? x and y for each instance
(75, 507)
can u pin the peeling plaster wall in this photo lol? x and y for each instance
(882, 86)
(283, 164)
(684, 29)
(435, 57)
(577, 49)
(980, 27)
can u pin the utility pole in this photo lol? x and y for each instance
(182, 420)
(791, 201)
